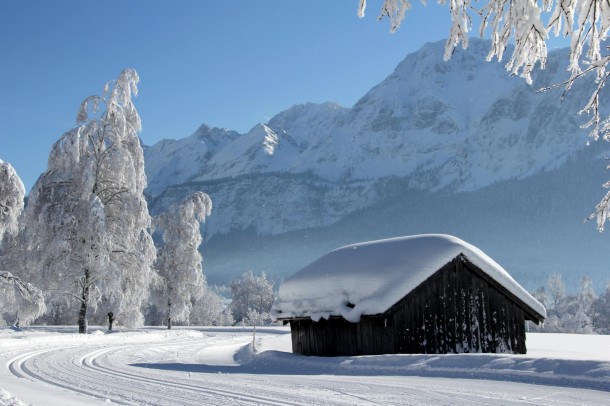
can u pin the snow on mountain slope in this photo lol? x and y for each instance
(261, 149)
(274, 203)
(177, 161)
(466, 120)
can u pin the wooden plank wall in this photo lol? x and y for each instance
(456, 311)
(339, 337)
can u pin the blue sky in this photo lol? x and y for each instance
(226, 63)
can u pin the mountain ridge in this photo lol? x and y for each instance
(389, 132)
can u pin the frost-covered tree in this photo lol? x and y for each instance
(12, 194)
(208, 310)
(119, 180)
(252, 293)
(87, 227)
(179, 260)
(574, 313)
(256, 318)
(586, 295)
(556, 291)
(20, 301)
(601, 312)
(526, 24)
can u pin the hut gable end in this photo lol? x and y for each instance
(458, 309)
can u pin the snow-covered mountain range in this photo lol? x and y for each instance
(430, 130)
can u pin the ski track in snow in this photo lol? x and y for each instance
(218, 366)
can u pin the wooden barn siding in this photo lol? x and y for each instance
(339, 337)
(456, 310)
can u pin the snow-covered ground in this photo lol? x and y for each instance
(56, 366)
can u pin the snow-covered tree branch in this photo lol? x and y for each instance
(19, 300)
(520, 22)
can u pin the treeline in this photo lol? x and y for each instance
(583, 312)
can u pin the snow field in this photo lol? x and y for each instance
(55, 366)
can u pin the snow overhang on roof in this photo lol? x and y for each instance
(368, 278)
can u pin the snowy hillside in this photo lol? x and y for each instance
(430, 127)
(192, 366)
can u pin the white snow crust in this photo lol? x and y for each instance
(368, 278)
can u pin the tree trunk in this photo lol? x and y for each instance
(82, 314)
(82, 318)
(110, 320)
(169, 314)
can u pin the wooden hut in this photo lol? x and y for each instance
(430, 294)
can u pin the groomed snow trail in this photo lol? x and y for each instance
(218, 367)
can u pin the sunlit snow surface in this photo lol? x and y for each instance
(368, 278)
(56, 366)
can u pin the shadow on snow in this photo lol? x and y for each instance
(513, 368)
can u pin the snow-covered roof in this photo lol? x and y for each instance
(373, 276)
